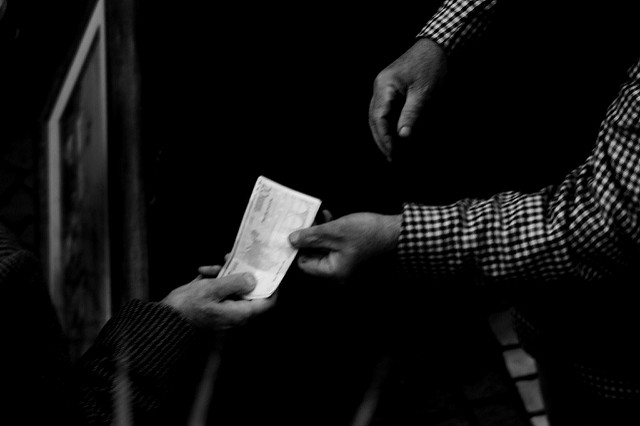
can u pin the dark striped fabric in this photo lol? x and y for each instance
(146, 346)
(145, 342)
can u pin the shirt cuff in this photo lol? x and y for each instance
(150, 334)
(427, 243)
(433, 240)
(457, 22)
(440, 31)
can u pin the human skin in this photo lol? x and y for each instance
(402, 90)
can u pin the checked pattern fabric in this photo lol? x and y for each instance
(586, 227)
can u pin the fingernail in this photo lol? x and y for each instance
(404, 131)
(251, 279)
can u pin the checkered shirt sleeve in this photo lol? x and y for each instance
(458, 21)
(586, 227)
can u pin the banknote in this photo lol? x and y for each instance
(262, 244)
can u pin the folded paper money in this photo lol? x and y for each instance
(262, 245)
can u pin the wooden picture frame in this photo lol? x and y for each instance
(76, 174)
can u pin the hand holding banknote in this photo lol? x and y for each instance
(217, 304)
(338, 248)
(262, 245)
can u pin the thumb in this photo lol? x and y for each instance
(312, 237)
(234, 285)
(410, 112)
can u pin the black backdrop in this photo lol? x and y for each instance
(230, 92)
(235, 93)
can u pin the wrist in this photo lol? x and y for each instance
(390, 229)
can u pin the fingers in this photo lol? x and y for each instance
(380, 117)
(260, 306)
(327, 216)
(209, 271)
(373, 126)
(233, 285)
(212, 271)
(318, 236)
(410, 112)
(317, 265)
(232, 313)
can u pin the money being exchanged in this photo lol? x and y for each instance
(262, 244)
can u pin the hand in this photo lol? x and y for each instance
(336, 249)
(216, 304)
(401, 91)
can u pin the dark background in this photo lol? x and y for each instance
(230, 92)
(285, 93)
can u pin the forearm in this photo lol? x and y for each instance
(486, 236)
(586, 227)
(144, 343)
(459, 21)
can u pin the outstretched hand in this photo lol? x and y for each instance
(401, 91)
(216, 304)
(336, 249)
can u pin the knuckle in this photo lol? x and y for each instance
(383, 77)
(379, 81)
(313, 238)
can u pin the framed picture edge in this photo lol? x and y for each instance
(93, 31)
